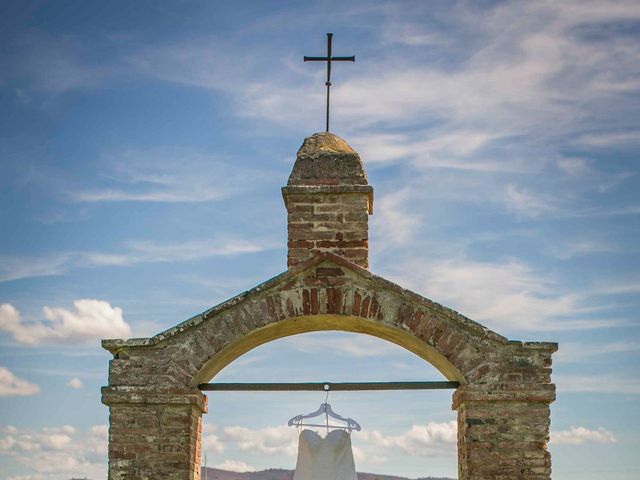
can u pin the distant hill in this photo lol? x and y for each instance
(282, 474)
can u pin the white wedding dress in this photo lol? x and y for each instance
(328, 458)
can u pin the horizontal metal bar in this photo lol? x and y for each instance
(333, 59)
(325, 386)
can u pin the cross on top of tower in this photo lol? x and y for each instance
(329, 59)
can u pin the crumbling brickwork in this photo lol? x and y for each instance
(505, 386)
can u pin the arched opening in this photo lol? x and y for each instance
(326, 322)
(405, 433)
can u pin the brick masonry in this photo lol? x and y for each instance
(502, 403)
(328, 202)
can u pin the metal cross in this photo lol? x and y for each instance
(329, 59)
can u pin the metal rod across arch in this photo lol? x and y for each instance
(326, 386)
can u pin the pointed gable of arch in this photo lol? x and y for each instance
(326, 292)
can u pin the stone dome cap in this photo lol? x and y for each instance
(326, 159)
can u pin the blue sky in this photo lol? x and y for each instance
(142, 149)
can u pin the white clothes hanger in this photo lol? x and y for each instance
(325, 408)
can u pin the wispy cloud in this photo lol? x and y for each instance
(136, 252)
(579, 247)
(537, 74)
(611, 383)
(507, 294)
(183, 196)
(132, 253)
(394, 224)
(580, 435)
(506, 102)
(91, 321)
(52, 64)
(527, 203)
(610, 138)
(571, 352)
(352, 346)
(456, 150)
(412, 34)
(169, 175)
(11, 385)
(17, 267)
(631, 285)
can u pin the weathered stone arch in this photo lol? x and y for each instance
(153, 382)
(505, 386)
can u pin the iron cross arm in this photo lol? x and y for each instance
(333, 59)
(329, 58)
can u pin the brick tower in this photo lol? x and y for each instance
(328, 200)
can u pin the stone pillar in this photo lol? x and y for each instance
(154, 433)
(503, 433)
(328, 202)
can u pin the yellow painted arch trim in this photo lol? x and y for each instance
(317, 323)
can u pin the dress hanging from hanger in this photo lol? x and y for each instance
(328, 458)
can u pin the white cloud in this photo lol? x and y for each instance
(10, 385)
(53, 64)
(610, 138)
(210, 441)
(61, 451)
(575, 166)
(75, 382)
(169, 175)
(579, 435)
(91, 320)
(154, 252)
(360, 457)
(193, 63)
(397, 226)
(610, 383)
(131, 253)
(411, 34)
(538, 74)
(529, 204)
(235, 466)
(430, 440)
(579, 247)
(457, 150)
(577, 352)
(508, 294)
(269, 440)
(630, 286)
(112, 195)
(15, 268)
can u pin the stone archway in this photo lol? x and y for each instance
(502, 403)
(505, 386)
